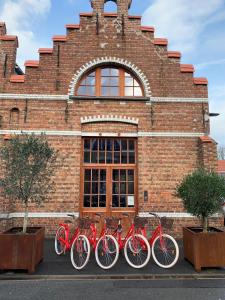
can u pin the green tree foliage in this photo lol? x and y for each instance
(28, 164)
(203, 194)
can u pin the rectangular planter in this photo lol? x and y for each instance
(204, 249)
(21, 251)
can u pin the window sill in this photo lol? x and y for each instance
(109, 98)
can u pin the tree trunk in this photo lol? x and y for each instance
(205, 224)
(25, 219)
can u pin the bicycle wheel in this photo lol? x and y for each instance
(137, 251)
(165, 251)
(107, 252)
(80, 252)
(60, 245)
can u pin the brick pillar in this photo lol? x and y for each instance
(122, 6)
(207, 153)
(2, 28)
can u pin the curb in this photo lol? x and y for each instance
(115, 277)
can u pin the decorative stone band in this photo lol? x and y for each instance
(106, 134)
(110, 60)
(109, 118)
(66, 97)
(38, 215)
(172, 215)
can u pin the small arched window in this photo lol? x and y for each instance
(109, 82)
(14, 116)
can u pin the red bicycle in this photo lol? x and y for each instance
(165, 250)
(106, 247)
(136, 247)
(78, 243)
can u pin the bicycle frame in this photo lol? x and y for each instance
(156, 232)
(68, 242)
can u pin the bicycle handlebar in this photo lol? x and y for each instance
(155, 215)
(71, 216)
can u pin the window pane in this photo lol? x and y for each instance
(116, 157)
(87, 188)
(105, 91)
(94, 187)
(122, 175)
(131, 157)
(94, 175)
(105, 72)
(102, 188)
(108, 157)
(94, 157)
(109, 144)
(90, 81)
(123, 188)
(127, 74)
(86, 144)
(115, 188)
(94, 145)
(130, 175)
(103, 175)
(87, 157)
(124, 158)
(137, 91)
(136, 83)
(102, 201)
(128, 81)
(94, 201)
(101, 144)
(114, 81)
(90, 91)
(116, 145)
(114, 91)
(130, 188)
(129, 91)
(115, 201)
(86, 201)
(131, 145)
(105, 81)
(114, 72)
(115, 175)
(124, 145)
(92, 74)
(87, 175)
(123, 201)
(81, 91)
(101, 157)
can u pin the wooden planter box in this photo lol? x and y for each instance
(204, 249)
(21, 251)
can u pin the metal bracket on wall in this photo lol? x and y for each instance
(26, 111)
(152, 115)
(5, 65)
(123, 25)
(97, 24)
(67, 112)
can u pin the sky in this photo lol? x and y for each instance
(196, 28)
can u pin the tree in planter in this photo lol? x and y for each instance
(28, 163)
(202, 193)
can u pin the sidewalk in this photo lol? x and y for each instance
(54, 267)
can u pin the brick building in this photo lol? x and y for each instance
(129, 120)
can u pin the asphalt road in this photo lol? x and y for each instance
(210, 289)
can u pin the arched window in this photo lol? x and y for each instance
(109, 82)
(14, 116)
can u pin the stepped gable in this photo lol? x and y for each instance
(54, 70)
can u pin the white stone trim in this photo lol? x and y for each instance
(66, 97)
(177, 99)
(33, 97)
(108, 118)
(172, 215)
(170, 134)
(106, 134)
(38, 215)
(107, 60)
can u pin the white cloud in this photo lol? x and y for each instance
(209, 63)
(19, 16)
(182, 21)
(217, 104)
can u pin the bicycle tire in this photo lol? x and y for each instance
(59, 248)
(107, 252)
(137, 255)
(165, 256)
(80, 252)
